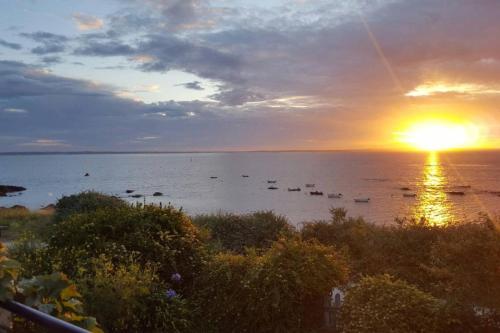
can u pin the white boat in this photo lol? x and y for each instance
(334, 195)
(362, 200)
(310, 185)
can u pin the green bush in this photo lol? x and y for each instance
(85, 202)
(383, 304)
(458, 263)
(239, 232)
(279, 291)
(164, 237)
(129, 297)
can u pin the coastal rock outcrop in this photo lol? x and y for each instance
(5, 189)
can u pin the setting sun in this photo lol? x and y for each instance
(440, 135)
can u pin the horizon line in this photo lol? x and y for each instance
(102, 152)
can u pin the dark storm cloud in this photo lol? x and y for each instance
(13, 46)
(49, 42)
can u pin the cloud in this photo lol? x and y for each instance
(49, 42)
(14, 110)
(45, 143)
(194, 85)
(436, 88)
(82, 115)
(325, 70)
(13, 46)
(51, 60)
(87, 22)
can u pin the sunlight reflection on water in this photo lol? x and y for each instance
(433, 203)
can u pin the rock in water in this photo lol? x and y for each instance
(4, 189)
(157, 194)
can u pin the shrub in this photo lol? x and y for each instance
(383, 304)
(458, 263)
(129, 297)
(238, 232)
(31, 252)
(85, 202)
(164, 237)
(279, 291)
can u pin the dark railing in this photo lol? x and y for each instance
(52, 323)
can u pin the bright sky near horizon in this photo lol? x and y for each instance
(232, 74)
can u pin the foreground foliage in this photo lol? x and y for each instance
(382, 304)
(458, 263)
(53, 294)
(279, 291)
(146, 268)
(239, 232)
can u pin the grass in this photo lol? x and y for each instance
(18, 221)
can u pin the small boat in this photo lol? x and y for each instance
(136, 196)
(272, 188)
(455, 192)
(409, 195)
(244, 176)
(310, 185)
(294, 189)
(272, 181)
(405, 189)
(316, 193)
(463, 186)
(334, 195)
(213, 177)
(157, 194)
(362, 200)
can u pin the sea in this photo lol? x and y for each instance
(444, 188)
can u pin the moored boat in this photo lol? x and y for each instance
(362, 200)
(455, 192)
(316, 193)
(334, 195)
(294, 189)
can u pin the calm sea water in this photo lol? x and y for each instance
(185, 182)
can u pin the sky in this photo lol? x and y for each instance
(200, 75)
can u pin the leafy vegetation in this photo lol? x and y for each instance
(85, 202)
(279, 291)
(238, 232)
(383, 304)
(53, 294)
(146, 268)
(458, 263)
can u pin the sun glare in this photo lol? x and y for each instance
(437, 136)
